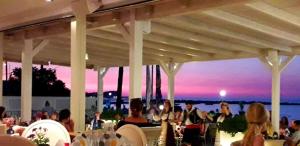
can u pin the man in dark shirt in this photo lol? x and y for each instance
(193, 119)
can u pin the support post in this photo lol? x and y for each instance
(26, 83)
(80, 9)
(78, 66)
(272, 61)
(135, 57)
(101, 73)
(134, 36)
(1, 68)
(171, 70)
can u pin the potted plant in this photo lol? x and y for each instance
(39, 137)
(231, 130)
(234, 125)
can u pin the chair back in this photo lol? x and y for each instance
(236, 143)
(2, 129)
(55, 131)
(6, 140)
(134, 134)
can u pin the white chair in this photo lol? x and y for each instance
(134, 134)
(56, 132)
(6, 140)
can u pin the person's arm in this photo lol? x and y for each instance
(204, 115)
(180, 120)
(289, 142)
(71, 124)
(200, 114)
(294, 140)
(211, 119)
(156, 117)
(258, 140)
(171, 117)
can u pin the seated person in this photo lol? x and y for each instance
(152, 111)
(54, 116)
(295, 139)
(224, 114)
(135, 118)
(65, 120)
(96, 122)
(283, 127)
(293, 128)
(2, 114)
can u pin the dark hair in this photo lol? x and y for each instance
(136, 103)
(47, 103)
(284, 120)
(170, 106)
(64, 114)
(297, 122)
(177, 109)
(189, 102)
(2, 110)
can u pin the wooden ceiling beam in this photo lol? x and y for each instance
(155, 9)
(118, 41)
(238, 20)
(167, 41)
(194, 24)
(98, 52)
(194, 38)
(275, 12)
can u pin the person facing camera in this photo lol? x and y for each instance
(224, 114)
(193, 119)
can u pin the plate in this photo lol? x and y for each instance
(56, 133)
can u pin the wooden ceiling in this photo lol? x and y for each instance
(182, 31)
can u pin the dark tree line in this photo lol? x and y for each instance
(44, 83)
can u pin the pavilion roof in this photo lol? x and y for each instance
(182, 31)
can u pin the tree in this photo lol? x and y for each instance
(149, 85)
(158, 85)
(44, 83)
(119, 88)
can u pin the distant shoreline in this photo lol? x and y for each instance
(232, 102)
(211, 102)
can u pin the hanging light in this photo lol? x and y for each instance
(86, 56)
(49, 0)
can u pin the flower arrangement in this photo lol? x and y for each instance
(38, 136)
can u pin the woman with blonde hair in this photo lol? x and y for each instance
(167, 137)
(256, 116)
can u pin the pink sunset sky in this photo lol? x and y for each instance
(245, 78)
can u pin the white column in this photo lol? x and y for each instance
(101, 73)
(26, 83)
(78, 66)
(273, 63)
(171, 78)
(1, 68)
(135, 57)
(171, 70)
(274, 59)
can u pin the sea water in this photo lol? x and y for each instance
(290, 111)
